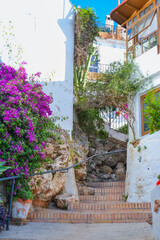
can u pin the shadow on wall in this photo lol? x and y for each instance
(67, 26)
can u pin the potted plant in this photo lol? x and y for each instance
(22, 202)
(3, 211)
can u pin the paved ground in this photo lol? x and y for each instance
(67, 231)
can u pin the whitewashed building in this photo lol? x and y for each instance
(141, 21)
(45, 31)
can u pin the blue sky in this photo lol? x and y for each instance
(101, 7)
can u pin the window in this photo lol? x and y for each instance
(157, 2)
(145, 10)
(153, 40)
(144, 126)
(141, 14)
(140, 25)
(143, 34)
(94, 66)
(134, 19)
(145, 45)
(130, 23)
(150, 6)
(138, 50)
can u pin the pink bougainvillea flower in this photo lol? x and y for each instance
(117, 113)
(38, 74)
(23, 63)
(125, 116)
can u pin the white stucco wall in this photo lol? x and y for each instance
(110, 50)
(143, 167)
(44, 29)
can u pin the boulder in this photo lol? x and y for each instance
(64, 199)
(120, 165)
(84, 190)
(80, 174)
(47, 186)
(106, 169)
(120, 173)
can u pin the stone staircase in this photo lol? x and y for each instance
(106, 206)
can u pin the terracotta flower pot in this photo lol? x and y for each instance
(21, 208)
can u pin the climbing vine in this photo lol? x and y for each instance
(85, 32)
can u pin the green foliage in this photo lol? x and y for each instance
(85, 32)
(125, 197)
(152, 111)
(124, 129)
(77, 167)
(3, 168)
(159, 177)
(24, 194)
(139, 149)
(114, 88)
(91, 123)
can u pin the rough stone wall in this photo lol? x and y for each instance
(63, 153)
(106, 167)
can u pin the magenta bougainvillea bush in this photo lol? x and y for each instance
(24, 123)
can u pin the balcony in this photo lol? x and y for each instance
(111, 32)
(96, 69)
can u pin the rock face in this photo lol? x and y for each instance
(63, 153)
(106, 167)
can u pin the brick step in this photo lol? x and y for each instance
(107, 184)
(109, 206)
(109, 197)
(104, 191)
(81, 217)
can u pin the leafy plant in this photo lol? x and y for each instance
(91, 123)
(125, 197)
(124, 129)
(139, 149)
(114, 88)
(77, 167)
(85, 32)
(3, 168)
(152, 111)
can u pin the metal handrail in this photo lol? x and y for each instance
(46, 172)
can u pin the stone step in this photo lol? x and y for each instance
(81, 217)
(101, 198)
(109, 207)
(105, 191)
(107, 184)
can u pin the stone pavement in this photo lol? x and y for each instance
(67, 231)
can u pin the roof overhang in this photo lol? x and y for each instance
(126, 9)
